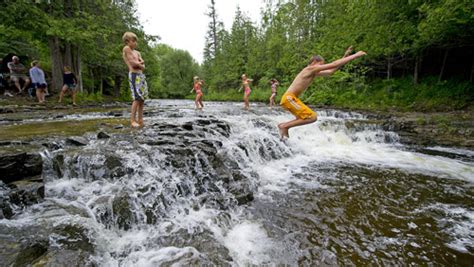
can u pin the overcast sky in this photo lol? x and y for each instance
(183, 24)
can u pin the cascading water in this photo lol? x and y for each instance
(219, 188)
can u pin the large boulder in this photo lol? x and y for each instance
(17, 166)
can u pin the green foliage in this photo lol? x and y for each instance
(88, 35)
(175, 71)
(394, 33)
(399, 94)
(89, 98)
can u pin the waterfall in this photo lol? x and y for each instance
(195, 188)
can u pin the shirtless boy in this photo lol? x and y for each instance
(136, 78)
(316, 67)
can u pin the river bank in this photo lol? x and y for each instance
(453, 128)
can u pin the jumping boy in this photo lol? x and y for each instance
(136, 78)
(316, 67)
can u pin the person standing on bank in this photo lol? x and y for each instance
(38, 81)
(69, 85)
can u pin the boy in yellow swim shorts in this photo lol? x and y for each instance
(291, 102)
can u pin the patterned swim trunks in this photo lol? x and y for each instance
(138, 86)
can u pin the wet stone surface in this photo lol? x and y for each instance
(219, 188)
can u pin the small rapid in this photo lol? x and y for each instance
(218, 187)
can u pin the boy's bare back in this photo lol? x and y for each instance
(307, 75)
(302, 81)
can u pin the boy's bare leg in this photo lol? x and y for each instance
(27, 82)
(246, 101)
(141, 104)
(61, 95)
(42, 95)
(133, 114)
(38, 95)
(196, 102)
(284, 127)
(74, 97)
(17, 85)
(201, 105)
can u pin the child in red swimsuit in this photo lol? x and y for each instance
(246, 85)
(197, 87)
(274, 84)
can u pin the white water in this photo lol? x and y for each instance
(328, 142)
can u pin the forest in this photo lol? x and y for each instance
(420, 53)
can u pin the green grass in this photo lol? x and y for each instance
(395, 94)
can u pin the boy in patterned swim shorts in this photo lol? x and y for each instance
(136, 78)
(291, 102)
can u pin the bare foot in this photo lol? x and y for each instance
(283, 132)
(134, 124)
(141, 124)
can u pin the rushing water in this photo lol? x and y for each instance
(218, 187)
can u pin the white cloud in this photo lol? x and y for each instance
(183, 24)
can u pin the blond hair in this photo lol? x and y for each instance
(67, 68)
(129, 36)
(34, 63)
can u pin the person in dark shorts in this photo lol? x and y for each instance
(38, 81)
(70, 84)
(136, 78)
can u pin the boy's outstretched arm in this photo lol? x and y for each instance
(332, 71)
(337, 63)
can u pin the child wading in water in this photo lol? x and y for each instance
(246, 85)
(197, 87)
(316, 67)
(70, 84)
(274, 84)
(38, 81)
(136, 78)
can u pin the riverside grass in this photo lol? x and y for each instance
(376, 95)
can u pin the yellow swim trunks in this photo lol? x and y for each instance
(290, 102)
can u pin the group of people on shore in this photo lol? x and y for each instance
(36, 82)
(290, 101)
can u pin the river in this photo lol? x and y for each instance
(218, 187)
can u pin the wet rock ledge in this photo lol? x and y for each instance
(21, 182)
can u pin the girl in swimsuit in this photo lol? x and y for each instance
(197, 87)
(274, 84)
(246, 85)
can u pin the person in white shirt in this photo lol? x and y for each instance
(38, 81)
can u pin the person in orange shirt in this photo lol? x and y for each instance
(291, 102)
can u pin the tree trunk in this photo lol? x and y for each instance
(443, 65)
(389, 69)
(68, 58)
(101, 83)
(117, 84)
(78, 69)
(57, 64)
(417, 70)
(471, 79)
(91, 73)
